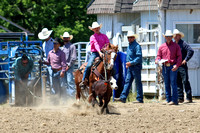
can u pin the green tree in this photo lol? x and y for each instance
(59, 15)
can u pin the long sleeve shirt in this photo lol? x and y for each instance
(57, 60)
(70, 54)
(19, 70)
(186, 50)
(47, 46)
(97, 42)
(170, 52)
(134, 54)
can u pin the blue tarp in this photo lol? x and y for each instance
(120, 73)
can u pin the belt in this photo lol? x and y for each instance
(56, 70)
(168, 64)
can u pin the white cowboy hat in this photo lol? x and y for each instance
(131, 33)
(94, 25)
(176, 31)
(168, 33)
(66, 34)
(44, 34)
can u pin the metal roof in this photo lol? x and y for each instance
(128, 6)
(145, 5)
(179, 4)
(109, 6)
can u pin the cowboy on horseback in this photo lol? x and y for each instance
(97, 42)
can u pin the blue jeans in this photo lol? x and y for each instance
(68, 80)
(133, 73)
(183, 83)
(49, 76)
(170, 79)
(87, 71)
(56, 83)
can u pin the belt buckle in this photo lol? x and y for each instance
(167, 64)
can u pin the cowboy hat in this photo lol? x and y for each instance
(57, 40)
(176, 31)
(44, 34)
(168, 33)
(66, 34)
(131, 33)
(94, 25)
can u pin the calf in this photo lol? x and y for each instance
(103, 90)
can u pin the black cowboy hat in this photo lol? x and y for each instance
(58, 40)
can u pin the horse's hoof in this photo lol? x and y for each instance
(107, 111)
(102, 110)
(77, 101)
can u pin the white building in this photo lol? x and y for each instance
(118, 16)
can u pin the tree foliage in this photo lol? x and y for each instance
(59, 15)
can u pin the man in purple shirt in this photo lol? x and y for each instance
(56, 58)
(69, 49)
(97, 42)
(170, 52)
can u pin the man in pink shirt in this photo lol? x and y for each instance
(171, 53)
(97, 42)
(56, 58)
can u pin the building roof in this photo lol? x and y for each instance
(110, 6)
(128, 6)
(179, 4)
(145, 5)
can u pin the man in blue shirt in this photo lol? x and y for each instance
(134, 67)
(47, 46)
(182, 74)
(22, 68)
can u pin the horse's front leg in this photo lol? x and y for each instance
(90, 93)
(78, 95)
(100, 101)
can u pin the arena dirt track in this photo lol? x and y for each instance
(124, 118)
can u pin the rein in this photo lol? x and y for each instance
(105, 64)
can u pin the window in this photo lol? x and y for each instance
(191, 31)
(152, 27)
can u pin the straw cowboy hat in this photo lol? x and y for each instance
(44, 34)
(131, 33)
(176, 31)
(66, 34)
(94, 25)
(168, 33)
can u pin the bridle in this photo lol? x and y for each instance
(112, 53)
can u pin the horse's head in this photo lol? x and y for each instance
(110, 54)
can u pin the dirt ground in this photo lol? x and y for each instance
(151, 116)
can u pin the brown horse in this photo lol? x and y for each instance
(97, 72)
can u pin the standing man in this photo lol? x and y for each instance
(170, 52)
(22, 68)
(97, 42)
(56, 58)
(47, 46)
(182, 74)
(134, 66)
(70, 56)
